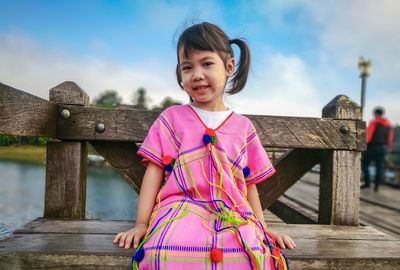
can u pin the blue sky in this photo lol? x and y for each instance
(304, 53)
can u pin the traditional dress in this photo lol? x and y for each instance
(201, 219)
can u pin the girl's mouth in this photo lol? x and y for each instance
(200, 87)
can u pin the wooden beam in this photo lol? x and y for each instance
(274, 131)
(290, 167)
(123, 158)
(66, 164)
(293, 213)
(339, 195)
(87, 244)
(23, 114)
(65, 190)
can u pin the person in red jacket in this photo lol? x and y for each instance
(379, 142)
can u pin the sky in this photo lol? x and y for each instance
(304, 53)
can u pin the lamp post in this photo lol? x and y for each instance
(363, 65)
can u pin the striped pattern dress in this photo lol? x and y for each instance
(201, 219)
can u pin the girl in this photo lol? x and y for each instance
(198, 206)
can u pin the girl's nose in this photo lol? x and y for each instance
(198, 75)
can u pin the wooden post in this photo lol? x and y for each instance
(339, 193)
(66, 162)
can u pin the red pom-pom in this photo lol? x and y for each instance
(216, 255)
(210, 132)
(167, 160)
(276, 252)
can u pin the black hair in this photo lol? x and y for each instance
(209, 37)
(379, 111)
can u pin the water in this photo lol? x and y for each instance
(109, 197)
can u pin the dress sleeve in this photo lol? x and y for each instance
(159, 144)
(259, 167)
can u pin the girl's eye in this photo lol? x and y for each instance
(185, 68)
(207, 64)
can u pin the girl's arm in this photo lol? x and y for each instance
(254, 201)
(150, 186)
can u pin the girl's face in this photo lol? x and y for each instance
(204, 76)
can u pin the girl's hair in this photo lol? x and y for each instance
(209, 37)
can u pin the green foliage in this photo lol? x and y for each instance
(6, 140)
(167, 102)
(108, 99)
(140, 99)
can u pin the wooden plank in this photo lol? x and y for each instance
(275, 131)
(23, 114)
(60, 226)
(361, 249)
(322, 247)
(290, 167)
(40, 246)
(16, 261)
(112, 227)
(27, 260)
(53, 243)
(66, 163)
(387, 197)
(65, 188)
(383, 218)
(339, 192)
(123, 158)
(270, 217)
(292, 212)
(330, 232)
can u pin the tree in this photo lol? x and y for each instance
(140, 99)
(108, 99)
(167, 102)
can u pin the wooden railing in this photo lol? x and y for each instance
(333, 141)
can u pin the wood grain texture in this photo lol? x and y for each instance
(339, 193)
(69, 93)
(66, 163)
(23, 114)
(71, 245)
(123, 158)
(292, 212)
(289, 168)
(66, 167)
(275, 131)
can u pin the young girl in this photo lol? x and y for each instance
(198, 206)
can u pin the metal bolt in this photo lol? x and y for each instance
(100, 127)
(344, 129)
(65, 114)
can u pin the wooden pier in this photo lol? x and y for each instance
(380, 210)
(64, 239)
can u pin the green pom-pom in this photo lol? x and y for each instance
(213, 139)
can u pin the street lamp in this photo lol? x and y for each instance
(363, 65)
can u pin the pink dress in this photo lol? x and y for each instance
(202, 219)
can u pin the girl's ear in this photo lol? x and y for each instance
(230, 66)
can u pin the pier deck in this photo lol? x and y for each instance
(87, 244)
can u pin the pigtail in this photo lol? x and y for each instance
(239, 79)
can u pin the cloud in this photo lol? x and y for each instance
(35, 68)
(340, 32)
(283, 87)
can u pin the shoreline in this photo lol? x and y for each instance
(31, 154)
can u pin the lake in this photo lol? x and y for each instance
(109, 197)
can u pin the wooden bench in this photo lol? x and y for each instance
(63, 238)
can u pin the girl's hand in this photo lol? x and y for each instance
(133, 235)
(283, 240)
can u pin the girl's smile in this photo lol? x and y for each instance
(204, 75)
